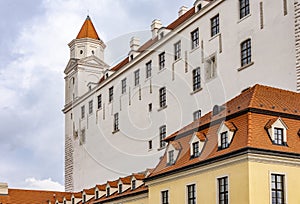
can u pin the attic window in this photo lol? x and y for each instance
(97, 194)
(120, 188)
(84, 198)
(108, 191)
(73, 200)
(224, 140)
(197, 143)
(171, 157)
(93, 52)
(277, 131)
(173, 152)
(226, 133)
(133, 184)
(195, 149)
(199, 7)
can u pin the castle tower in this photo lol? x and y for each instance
(83, 72)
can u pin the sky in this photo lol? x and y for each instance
(34, 53)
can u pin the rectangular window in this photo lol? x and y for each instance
(162, 136)
(150, 107)
(148, 69)
(224, 140)
(123, 86)
(171, 157)
(161, 60)
(84, 198)
(99, 101)
(107, 191)
(196, 79)
(120, 188)
(211, 68)
(97, 194)
(137, 77)
(133, 184)
(82, 112)
(191, 194)
(111, 94)
(162, 97)
(150, 144)
(246, 52)
(244, 8)
(277, 188)
(91, 107)
(214, 22)
(278, 136)
(195, 149)
(195, 38)
(165, 197)
(197, 115)
(116, 121)
(223, 190)
(177, 50)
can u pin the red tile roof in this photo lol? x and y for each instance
(247, 114)
(181, 19)
(88, 30)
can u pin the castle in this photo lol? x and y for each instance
(117, 117)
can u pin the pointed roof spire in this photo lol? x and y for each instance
(88, 30)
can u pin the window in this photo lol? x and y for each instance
(191, 194)
(224, 140)
(244, 8)
(124, 86)
(277, 188)
(197, 115)
(65, 202)
(116, 122)
(97, 194)
(161, 60)
(196, 79)
(171, 157)
(111, 94)
(214, 22)
(162, 136)
(133, 184)
(107, 191)
(148, 69)
(246, 52)
(223, 190)
(99, 101)
(91, 107)
(195, 149)
(82, 112)
(165, 197)
(137, 77)
(150, 107)
(211, 68)
(120, 188)
(278, 136)
(150, 144)
(177, 50)
(195, 38)
(162, 97)
(84, 198)
(73, 200)
(82, 136)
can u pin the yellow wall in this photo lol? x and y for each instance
(141, 199)
(206, 185)
(260, 182)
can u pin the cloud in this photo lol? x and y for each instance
(46, 184)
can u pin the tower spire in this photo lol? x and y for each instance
(88, 30)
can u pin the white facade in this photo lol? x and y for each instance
(95, 152)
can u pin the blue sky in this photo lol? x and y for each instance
(34, 52)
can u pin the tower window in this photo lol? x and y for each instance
(150, 144)
(81, 52)
(215, 27)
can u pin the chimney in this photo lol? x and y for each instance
(155, 26)
(3, 189)
(182, 10)
(134, 43)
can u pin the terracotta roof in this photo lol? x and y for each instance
(139, 176)
(270, 123)
(88, 30)
(101, 187)
(120, 64)
(147, 44)
(181, 19)
(126, 180)
(90, 191)
(201, 136)
(230, 126)
(113, 184)
(176, 145)
(247, 114)
(19, 196)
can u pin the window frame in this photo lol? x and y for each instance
(133, 184)
(276, 189)
(224, 140)
(149, 69)
(91, 106)
(191, 194)
(162, 60)
(82, 112)
(99, 101)
(223, 191)
(244, 6)
(116, 122)
(196, 146)
(246, 52)
(162, 97)
(215, 25)
(196, 115)
(195, 38)
(165, 197)
(196, 79)
(171, 156)
(123, 86)
(177, 50)
(120, 188)
(277, 140)
(110, 94)
(162, 136)
(136, 77)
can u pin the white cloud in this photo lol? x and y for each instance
(45, 184)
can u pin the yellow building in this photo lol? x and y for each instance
(245, 151)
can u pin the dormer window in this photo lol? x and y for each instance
(133, 184)
(84, 198)
(195, 149)
(73, 200)
(97, 194)
(171, 157)
(108, 191)
(197, 143)
(120, 188)
(277, 131)
(225, 134)
(173, 152)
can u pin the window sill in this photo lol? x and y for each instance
(161, 70)
(99, 109)
(177, 60)
(194, 49)
(215, 36)
(161, 148)
(115, 131)
(149, 78)
(162, 108)
(196, 91)
(245, 17)
(245, 66)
